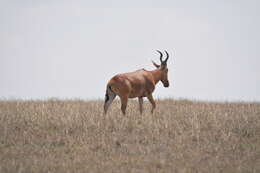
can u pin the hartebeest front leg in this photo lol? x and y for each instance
(140, 100)
(150, 98)
(124, 100)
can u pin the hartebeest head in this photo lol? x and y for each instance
(163, 69)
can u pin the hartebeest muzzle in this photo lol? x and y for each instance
(166, 85)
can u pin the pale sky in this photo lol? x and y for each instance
(70, 49)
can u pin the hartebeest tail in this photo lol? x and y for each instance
(140, 83)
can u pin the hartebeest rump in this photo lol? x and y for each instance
(140, 83)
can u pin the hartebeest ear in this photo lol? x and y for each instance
(156, 65)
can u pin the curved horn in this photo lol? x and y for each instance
(161, 55)
(166, 55)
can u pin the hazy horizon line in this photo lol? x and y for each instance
(10, 99)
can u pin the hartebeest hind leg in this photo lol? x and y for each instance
(124, 100)
(140, 100)
(150, 98)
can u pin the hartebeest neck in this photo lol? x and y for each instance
(157, 75)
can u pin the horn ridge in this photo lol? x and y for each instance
(161, 55)
(167, 56)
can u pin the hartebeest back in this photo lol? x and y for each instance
(140, 83)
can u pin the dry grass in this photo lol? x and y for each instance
(181, 136)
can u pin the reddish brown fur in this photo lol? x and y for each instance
(140, 83)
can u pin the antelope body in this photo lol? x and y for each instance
(140, 83)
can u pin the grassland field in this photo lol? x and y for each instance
(182, 136)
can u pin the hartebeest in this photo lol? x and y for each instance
(140, 83)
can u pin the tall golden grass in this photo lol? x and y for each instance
(181, 136)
